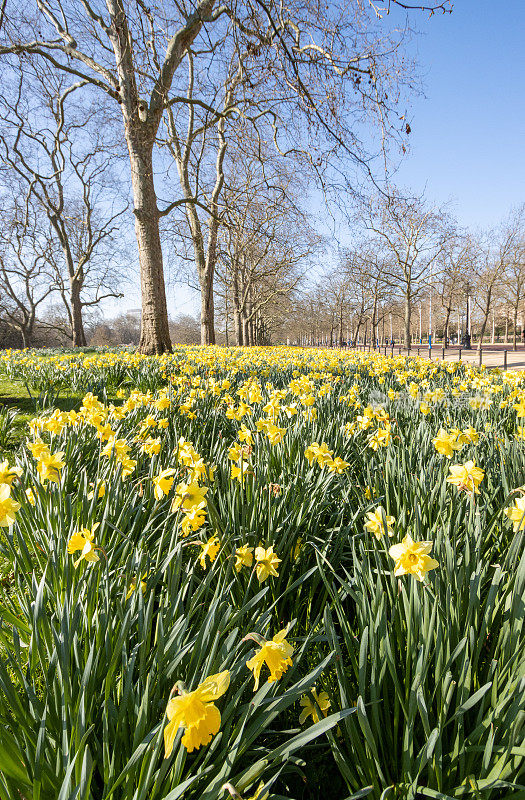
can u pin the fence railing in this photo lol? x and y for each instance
(432, 352)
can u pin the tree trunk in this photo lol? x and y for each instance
(239, 338)
(237, 317)
(77, 323)
(356, 333)
(207, 307)
(154, 333)
(408, 320)
(246, 332)
(514, 327)
(484, 325)
(226, 319)
(76, 281)
(446, 324)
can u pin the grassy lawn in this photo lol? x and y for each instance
(18, 407)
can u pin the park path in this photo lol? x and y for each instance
(491, 357)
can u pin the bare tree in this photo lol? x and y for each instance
(26, 280)
(500, 270)
(336, 285)
(42, 158)
(514, 280)
(373, 274)
(266, 241)
(455, 265)
(412, 236)
(204, 135)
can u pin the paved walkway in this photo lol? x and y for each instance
(491, 356)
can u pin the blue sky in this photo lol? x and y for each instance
(468, 131)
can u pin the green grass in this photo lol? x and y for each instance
(15, 397)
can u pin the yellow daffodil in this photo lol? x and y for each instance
(467, 477)
(381, 438)
(310, 708)
(275, 653)
(471, 434)
(266, 563)
(275, 434)
(241, 471)
(375, 522)
(516, 514)
(8, 474)
(163, 482)
(151, 446)
(337, 465)
(133, 586)
(101, 491)
(319, 453)
(189, 495)
(83, 541)
(37, 448)
(243, 557)
(49, 466)
(8, 506)
(193, 520)
(209, 549)
(445, 443)
(412, 558)
(519, 407)
(196, 712)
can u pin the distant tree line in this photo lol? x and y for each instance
(415, 276)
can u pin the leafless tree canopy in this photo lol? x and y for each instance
(56, 162)
(324, 83)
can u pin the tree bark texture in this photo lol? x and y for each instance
(154, 332)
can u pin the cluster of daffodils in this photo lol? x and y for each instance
(378, 417)
(119, 451)
(189, 496)
(466, 477)
(449, 442)
(196, 713)
(266, 407)
(410, 557)
(48, 464)
(321, 454)
(239, 454)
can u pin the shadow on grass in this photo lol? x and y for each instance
(18, 408)
(32, 407)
